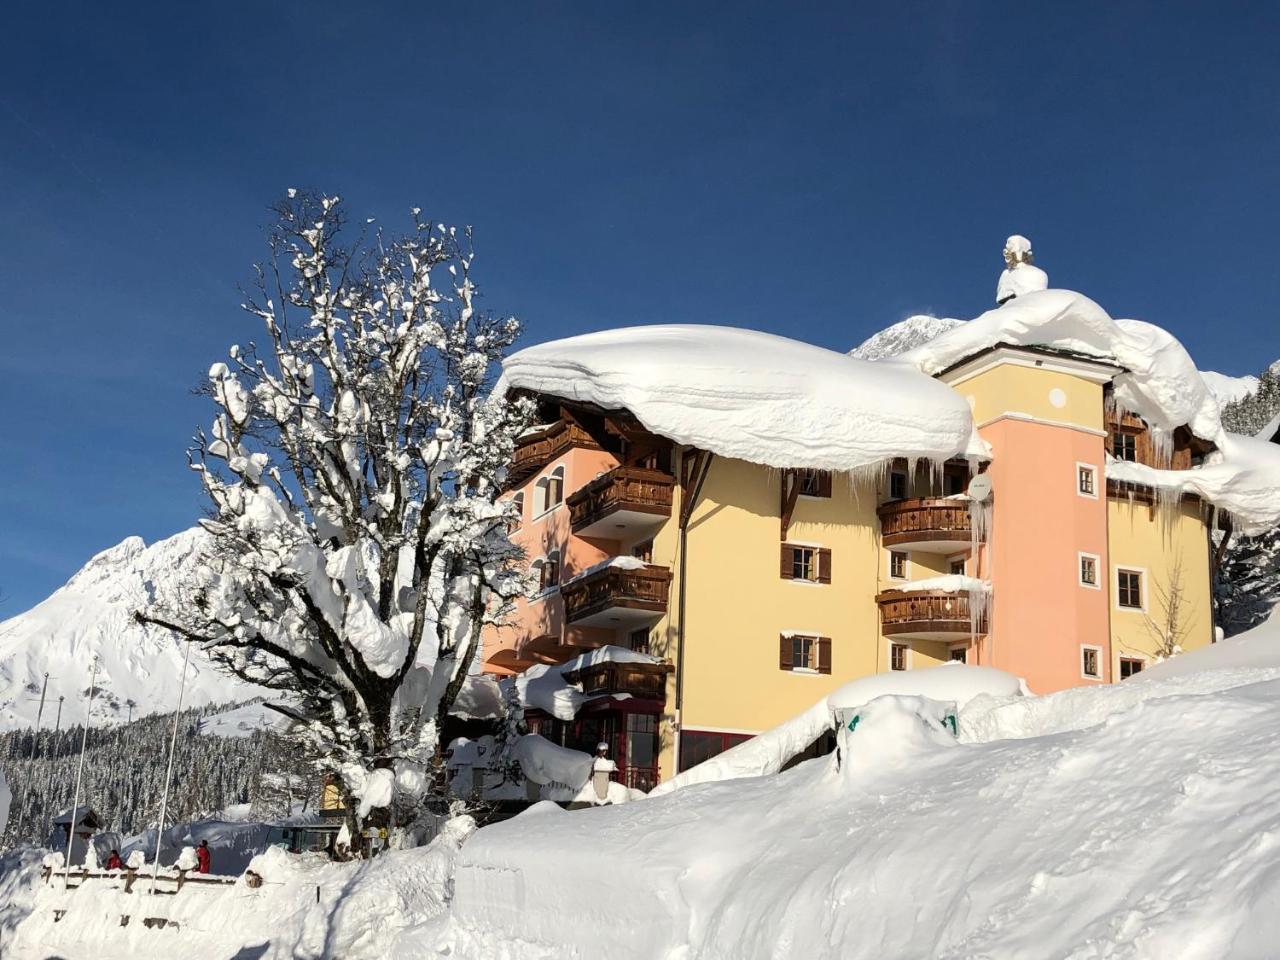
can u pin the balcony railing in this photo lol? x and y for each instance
(538, 449)
(924, 521)
(621, 501)
(637, 778)
(617, 594)
(647, 681)
(926, 615)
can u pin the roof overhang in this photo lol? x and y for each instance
(1093, 369)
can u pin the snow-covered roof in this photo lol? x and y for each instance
(607, 654)
(1159, 380)
(752, 396)
(947, 583)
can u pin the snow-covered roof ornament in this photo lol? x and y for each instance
(1020, 274)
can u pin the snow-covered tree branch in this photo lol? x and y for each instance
(357, 548)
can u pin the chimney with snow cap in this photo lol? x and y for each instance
(1020, 275)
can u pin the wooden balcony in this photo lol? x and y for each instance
(624, 504)
(616, 597)
(930, 524)
(932, 615)
(538, 448)
(644, 681)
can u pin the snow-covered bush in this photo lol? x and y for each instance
(357, 545)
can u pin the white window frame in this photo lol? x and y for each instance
(951, 561)
(888, 565)
(907, 660)
(1142, 586)
(1097, 570)
(1097, 651)
(542, 487)
(1081, 465)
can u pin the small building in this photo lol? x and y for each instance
(87, 822)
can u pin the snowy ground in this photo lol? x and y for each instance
(1137, 820)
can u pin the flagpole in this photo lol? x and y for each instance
(75, 803)
(168, 776)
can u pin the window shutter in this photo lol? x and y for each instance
(824, 565)
(824, 654)
(784, 653)
(824, 483)
(787, 569)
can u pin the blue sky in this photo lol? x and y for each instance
(818, 171)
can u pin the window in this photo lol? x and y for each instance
(1089, 570)
(697, 746)
(952, 483)
(549, 573)
(1129, 666)
(1090, 663)
(957, 568)
(555, 488)
(809, 564)
(897, 564)
(517, 513)
(804, 652)
(958, 655)
(1086, 480)
(643, 551)
(1129, 589)
(897, 486)
(814, 483)
(639, 640)
(1124, 446)
(898, 656)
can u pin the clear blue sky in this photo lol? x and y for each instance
(819, 171)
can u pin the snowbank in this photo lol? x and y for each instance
(770, 751)
(545, 762)
(1256, 649)
(752, 396)
(1148, 835)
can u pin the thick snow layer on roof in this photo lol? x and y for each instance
(623, 562)
(770, 751)
(1225, 388)
(752, 396)
(1242, 477)
(948, 583)
(543, 686)
(1159, 381)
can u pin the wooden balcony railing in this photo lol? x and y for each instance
(540, 448)
(634, 489)
(647, 681)
(926, 613)
(616, 588)
(637, 778)
(924, 519)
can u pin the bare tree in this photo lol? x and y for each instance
(356, 545)
(1169, 628)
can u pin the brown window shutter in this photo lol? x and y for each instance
(787, 569)
(824, 565)
(784, 653)
(824, 654)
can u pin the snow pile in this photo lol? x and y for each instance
(609, 653)
(1053, 845)
(903, 336)
(545, 762)
(946, 583)
(623, 562)
(889, 732)
(543, 686)
(770, 751)
(306, 907)
(752, 396)
(1256, 649)
(93, 615)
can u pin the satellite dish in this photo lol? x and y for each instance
(980, 487)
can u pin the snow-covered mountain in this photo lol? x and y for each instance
(1227, 388)
(92, 615)
(903, 336)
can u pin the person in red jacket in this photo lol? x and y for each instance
(114, 862)
(203, 857)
